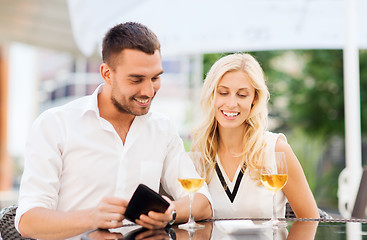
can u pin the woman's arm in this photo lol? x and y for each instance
(297, 190)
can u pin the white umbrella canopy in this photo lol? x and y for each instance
(205, 26)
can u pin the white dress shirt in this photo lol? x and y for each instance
(74, 158)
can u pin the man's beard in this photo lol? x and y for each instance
(125, 109)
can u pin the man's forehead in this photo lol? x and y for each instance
(139, 63)
(129, 55)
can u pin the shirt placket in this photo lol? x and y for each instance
(119, 191)
(122, 177)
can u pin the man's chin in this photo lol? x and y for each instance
(141, 113)
(134, 112)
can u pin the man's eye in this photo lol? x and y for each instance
(137, 80)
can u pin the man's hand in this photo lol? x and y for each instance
(156, 220)
(109, 213)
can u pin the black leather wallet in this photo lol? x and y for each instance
(144, 200)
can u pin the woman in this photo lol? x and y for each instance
(232, 141)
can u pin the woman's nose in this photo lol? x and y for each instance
(231, 101)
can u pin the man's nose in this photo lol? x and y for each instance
(148, 89)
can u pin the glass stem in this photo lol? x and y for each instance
(191, 196)
(274, 215)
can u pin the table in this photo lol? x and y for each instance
(302, 229)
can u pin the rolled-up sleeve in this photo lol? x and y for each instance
(42, 167)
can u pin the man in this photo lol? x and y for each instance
(85, 159)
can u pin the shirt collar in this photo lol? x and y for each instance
(92, 103)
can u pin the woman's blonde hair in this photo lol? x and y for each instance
(205, 136)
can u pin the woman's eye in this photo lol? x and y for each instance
(223, 93)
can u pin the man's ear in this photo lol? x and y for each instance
(105, 71)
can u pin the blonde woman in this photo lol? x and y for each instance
(232, 142)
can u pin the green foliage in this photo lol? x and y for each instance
(310, 85)
(318, 99)
(209, 60)
(327, 188)
(308, 150)
(187, 144)
(363, 87)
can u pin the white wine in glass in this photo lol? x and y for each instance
(191, 177)
(274, 176)
(191, 184)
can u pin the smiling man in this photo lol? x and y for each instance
(84, 160)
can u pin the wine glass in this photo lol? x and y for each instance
(191, 176)
(274, 176)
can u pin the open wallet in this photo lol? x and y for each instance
(144, 200)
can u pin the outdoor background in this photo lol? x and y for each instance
(42, 67)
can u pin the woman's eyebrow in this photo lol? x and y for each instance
(240, 89)
(244, 89)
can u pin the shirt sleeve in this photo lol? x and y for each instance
(42, 166)
(175, 153)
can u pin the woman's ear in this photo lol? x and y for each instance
(254, 101)
(105, 73)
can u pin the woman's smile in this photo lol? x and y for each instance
(230, 115)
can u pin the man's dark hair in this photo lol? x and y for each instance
(129, 35)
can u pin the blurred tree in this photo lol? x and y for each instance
(209, 60)
(317, 102)
(306, 88)
(363, 87)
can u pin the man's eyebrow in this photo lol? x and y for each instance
(160, 73)
(136, 75)
(142, 76)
